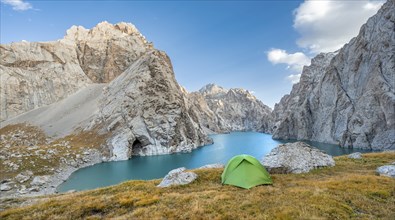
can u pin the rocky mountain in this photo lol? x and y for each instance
(222, 110)
(38, 74)
(347, 98)
(137, 101)
(110, 80)
(146, 110)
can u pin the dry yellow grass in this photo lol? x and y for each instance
(350, 190)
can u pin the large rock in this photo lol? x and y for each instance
(296, 157)
(178, 177)
(387, 170)
(223, 110)
(347, 97)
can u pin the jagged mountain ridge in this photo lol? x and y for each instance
(351, 100)
(222, 110)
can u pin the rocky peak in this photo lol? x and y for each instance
(106, 50)
(212, 90)
(236, 109)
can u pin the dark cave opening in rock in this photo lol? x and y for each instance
(136, 146)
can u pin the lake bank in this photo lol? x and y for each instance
(349, 190)
(152, 167)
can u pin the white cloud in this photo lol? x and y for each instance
(18, 5)
(295, 61)
(325, 26)
(294, 78)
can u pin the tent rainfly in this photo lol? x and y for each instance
(246, 172)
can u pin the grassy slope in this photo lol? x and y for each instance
(38, 159)
(349, 190)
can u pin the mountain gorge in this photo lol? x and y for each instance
(348, 97)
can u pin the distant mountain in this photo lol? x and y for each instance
(222, 110)
(347, 98)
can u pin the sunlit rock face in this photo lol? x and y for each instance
(106, 50)
(40, 73)
(347, 98)
(147, 110)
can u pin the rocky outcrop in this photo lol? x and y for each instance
(347, 98)
(222, 110)
(178, 177)
(146, 109)
(387, 170)
(296, 157)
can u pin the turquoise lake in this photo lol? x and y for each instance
(153, 167)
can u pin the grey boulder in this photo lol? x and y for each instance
(178, 177)
(356, 155)
(40, 180)
(296, 157)
(387, 170)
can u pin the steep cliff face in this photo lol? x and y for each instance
(37, 74)
(146, 109)
(351, 99)
(223, 110)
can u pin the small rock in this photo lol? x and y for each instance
(210, 166)
(5, 186)
(23, 190)
(86, 153)
(356, 155)
(34, 189)
(387, 170)
(178, 177)
(71, 191)
(24, 176)
(40, 180)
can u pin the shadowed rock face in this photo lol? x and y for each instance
(223, 110)
(347, 98)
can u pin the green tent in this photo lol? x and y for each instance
(245, 171)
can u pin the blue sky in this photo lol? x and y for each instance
(257, 45)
